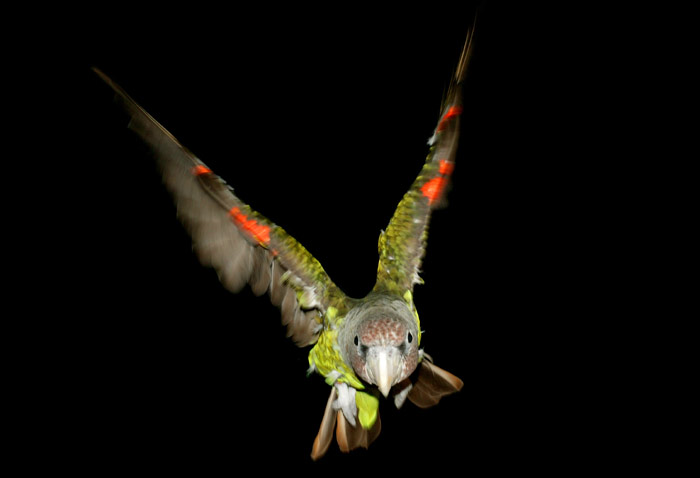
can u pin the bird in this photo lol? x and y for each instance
(364, 348)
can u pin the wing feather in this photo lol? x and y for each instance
(227, 235)
(262, 271)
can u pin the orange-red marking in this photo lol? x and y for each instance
(260, 232)
(433, 188)
(451, 113)
(200, 169)
(446, 167)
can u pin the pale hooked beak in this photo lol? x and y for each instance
(384, 367)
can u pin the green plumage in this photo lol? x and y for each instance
(402, 245)
(326, 358)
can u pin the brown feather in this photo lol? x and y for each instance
(288, 307)
(261, 275)
(325, 432)
(350, 437)
(235, 269)
(432, 383)
(277, 290)
(341, 433)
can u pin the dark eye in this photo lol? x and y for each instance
(357, 340)
(410, 337)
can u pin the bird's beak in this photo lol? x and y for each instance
(384, 367)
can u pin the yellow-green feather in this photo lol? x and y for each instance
(302, 263)
(325, 356)
(402, 245)
(367, 408)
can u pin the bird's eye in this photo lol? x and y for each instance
(410, 337)
(357, 340)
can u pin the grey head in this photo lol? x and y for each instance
(380, 340)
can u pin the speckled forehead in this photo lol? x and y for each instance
(387, 330)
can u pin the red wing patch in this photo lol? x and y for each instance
(257, 231)
(200, 169)
(451, 113)
(446, 167)
(433, 188)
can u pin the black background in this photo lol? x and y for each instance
(319, 120)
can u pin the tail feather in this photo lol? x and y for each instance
(350, 437)
(325, 432)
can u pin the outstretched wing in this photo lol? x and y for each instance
(402, 245)
(240, 244)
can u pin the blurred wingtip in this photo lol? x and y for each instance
(453, 93)
(467, 50)
(102, 75)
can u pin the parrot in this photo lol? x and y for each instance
(364, 348)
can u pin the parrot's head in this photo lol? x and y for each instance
(383, 347)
